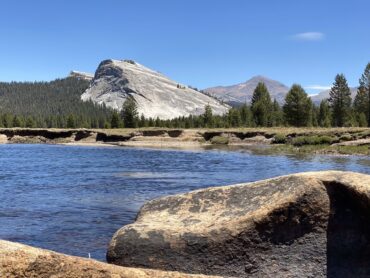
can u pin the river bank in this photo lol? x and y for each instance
(344, 141)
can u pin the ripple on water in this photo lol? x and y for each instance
(72, 199)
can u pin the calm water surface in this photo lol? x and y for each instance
(72, 199)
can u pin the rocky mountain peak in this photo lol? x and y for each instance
(242, 92)
(155, 94)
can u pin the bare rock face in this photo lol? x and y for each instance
(21, 261)
(155, 94)
(304, 225)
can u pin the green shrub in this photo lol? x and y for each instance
(301, 140)
(363, 134)
(350, 150)
(313, 140)
(279, 139)
(325, 139)
(345, 137)
(219, 140)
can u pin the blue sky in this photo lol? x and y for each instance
(202, 43)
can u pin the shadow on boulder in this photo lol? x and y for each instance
(348, 233)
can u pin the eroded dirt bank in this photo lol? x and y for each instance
(138, 137)
(314, 140)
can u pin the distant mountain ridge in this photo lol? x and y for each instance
(155, 94)
(243, 92)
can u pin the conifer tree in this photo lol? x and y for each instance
(17, 121)
(234, 117)
(361, 107)
(297, 107)
(340, 101)
(315, 114)
(365, 88)
(71, 122)
(324, 119)
(277, 117)
(261, 105)
(129, 113)
(115, 120)
(245, 115)
(208, 116)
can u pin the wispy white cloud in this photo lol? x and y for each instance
(309, 36)
(317, 87)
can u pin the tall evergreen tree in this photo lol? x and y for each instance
(361, 107)
(298, 107)
(115, 120)
(324, 119)
(234, 117)
(71, 121)
(129, 112)
(277, 117)
(361, 101)
(315, 114)
(245, 115)
(17, 122)
(340, 101)
(143, 121)
(208, 116)
(365, 88)
(261, 105)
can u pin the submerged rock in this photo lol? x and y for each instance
(18, 260)
(304, 225)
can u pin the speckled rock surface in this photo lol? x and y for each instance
(155, 94)
(304, 225)
(21, 261)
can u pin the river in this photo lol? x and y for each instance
(72, 199)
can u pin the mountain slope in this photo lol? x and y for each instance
(155, 94)
(243, 92)
(50, 103)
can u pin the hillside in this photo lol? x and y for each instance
(242, 92)
(155, 94)
(51, 103)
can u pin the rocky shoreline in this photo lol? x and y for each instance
(312, 224)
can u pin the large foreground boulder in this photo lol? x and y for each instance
(21, 261)
(304, 225)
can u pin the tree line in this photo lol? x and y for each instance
(298, 110)
(58, 104)
(50, 104)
